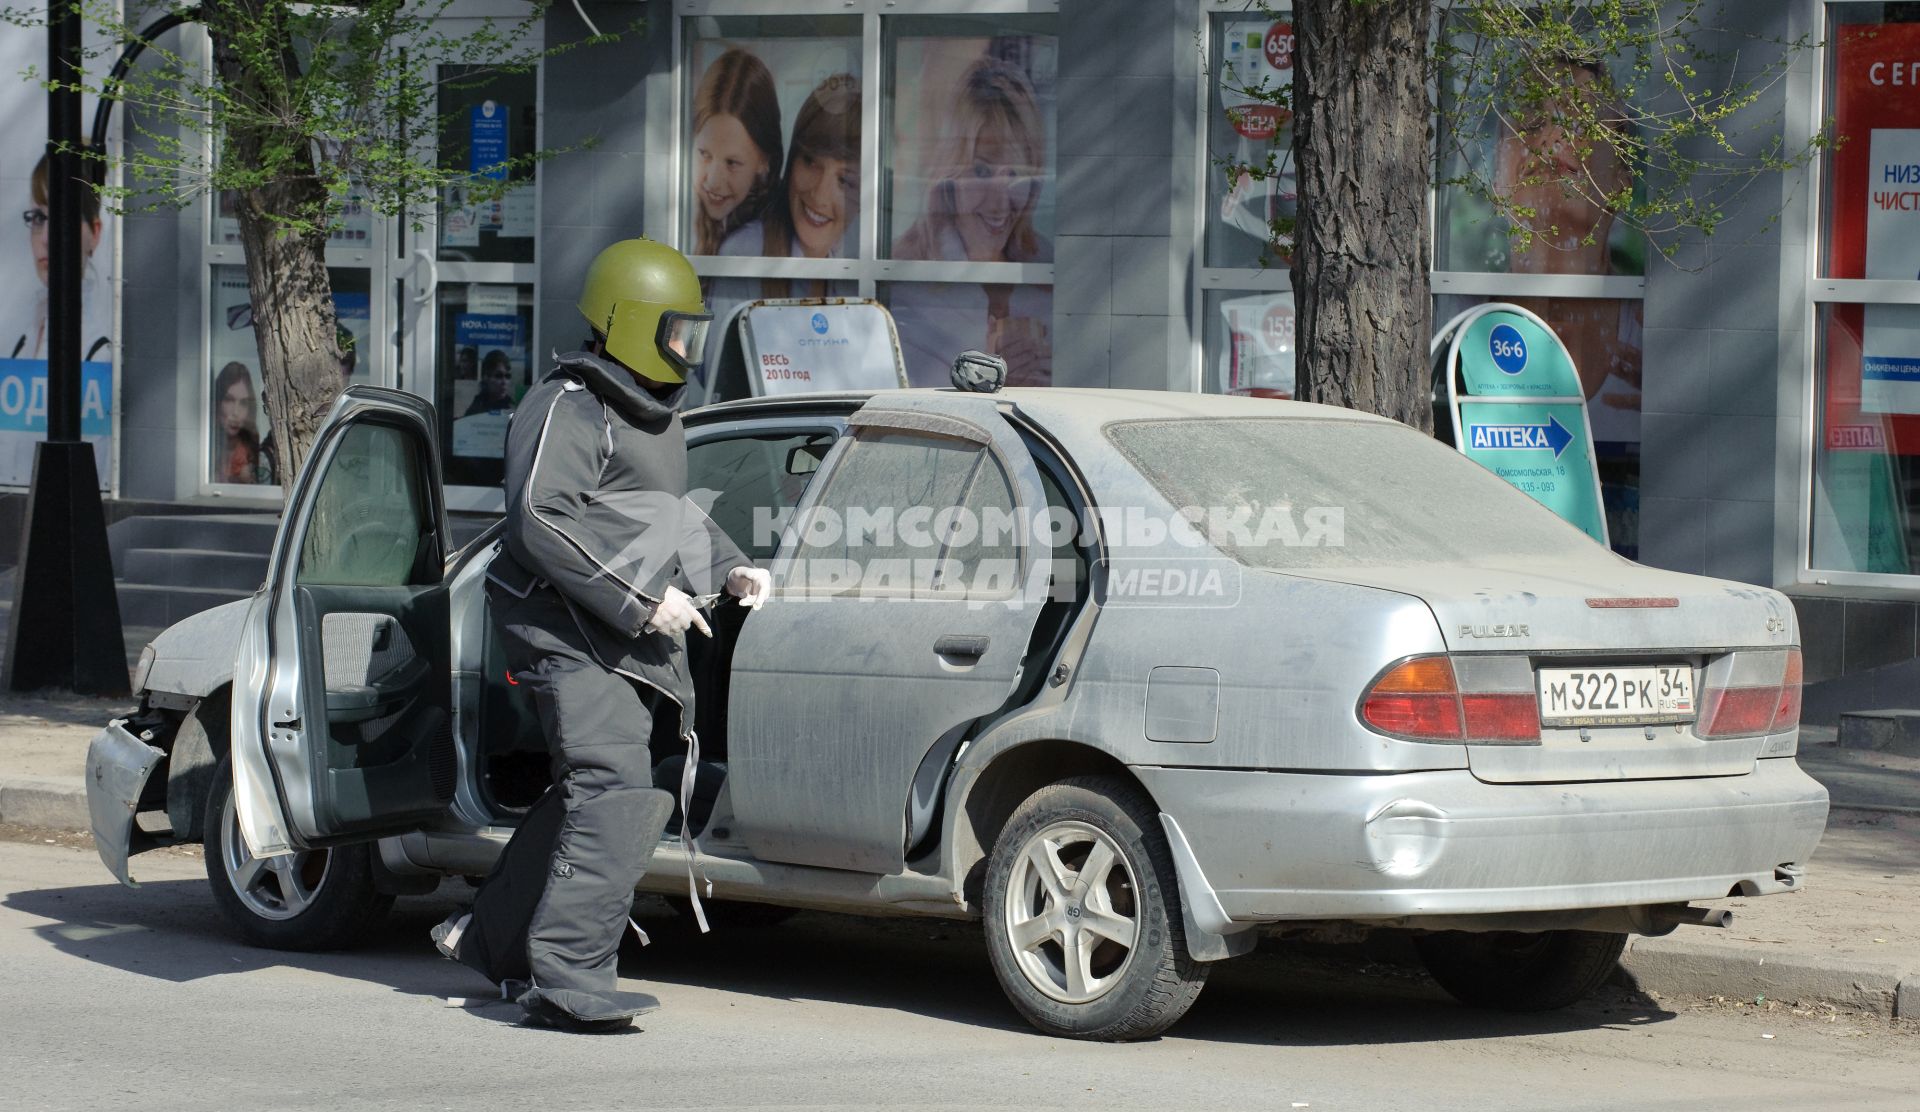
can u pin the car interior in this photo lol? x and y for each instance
(764, 472)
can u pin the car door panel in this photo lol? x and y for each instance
(342, 697)
(836, 698)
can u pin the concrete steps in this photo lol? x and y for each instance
(1889, 731)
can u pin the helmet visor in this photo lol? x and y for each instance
(683, 337)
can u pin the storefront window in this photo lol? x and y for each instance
(487, 118)
(1521, 154)
(1866, 449)
(485, 340)
(969, 166)
(773, 137)
(1603, 337)
(1249, 173)
(939, 320)
(1866, 452)
(242, 448)
(1250, 343)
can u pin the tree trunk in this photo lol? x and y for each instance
(293, 317)
(1361, 255)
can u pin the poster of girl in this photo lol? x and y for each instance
(736, 146)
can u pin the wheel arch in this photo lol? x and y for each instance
(200, 742)
(991, 791)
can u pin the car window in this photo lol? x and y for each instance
(909, 513)
(1281, 493)
(370, 525)
(754, 482)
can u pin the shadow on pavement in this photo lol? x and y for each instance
(938, 969)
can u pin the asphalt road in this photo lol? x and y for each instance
(117, 998)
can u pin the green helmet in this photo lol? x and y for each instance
(643, 299)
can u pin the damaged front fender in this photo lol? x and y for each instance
(118, 764)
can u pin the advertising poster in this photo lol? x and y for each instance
(1254, 61)
(972, 181)
(487, 366)
(23, 276)
(798, 349)
(774, 137)
(1257, 359)
(1870, 354)
(242, 448)
(1890, 341)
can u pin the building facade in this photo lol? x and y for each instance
(1048, 178)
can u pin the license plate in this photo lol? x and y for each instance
(1616, 696)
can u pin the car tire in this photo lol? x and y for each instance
(1516, 971)
(1101, 958)
(315, 900)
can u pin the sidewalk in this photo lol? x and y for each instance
(1851, 938)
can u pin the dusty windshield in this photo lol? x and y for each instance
(1290, 493)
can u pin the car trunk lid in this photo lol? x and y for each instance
(1596, 613)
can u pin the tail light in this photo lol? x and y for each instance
(1422, 699)
(1758, 694)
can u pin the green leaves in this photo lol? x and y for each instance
(322, 104)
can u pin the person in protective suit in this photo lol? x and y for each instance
(593, 590)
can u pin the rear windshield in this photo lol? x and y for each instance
(1280, 493)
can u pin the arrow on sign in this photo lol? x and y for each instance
(1552, 436)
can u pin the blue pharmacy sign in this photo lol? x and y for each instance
(1518, 410)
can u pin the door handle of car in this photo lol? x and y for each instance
(966, 647)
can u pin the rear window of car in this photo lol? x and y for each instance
(1280, 493)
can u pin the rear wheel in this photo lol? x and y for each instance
(1082, 913)
(1518, 971)
(314, 900)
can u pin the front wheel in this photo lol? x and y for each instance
(314, 900)
(1082, 913)
(1517, 971)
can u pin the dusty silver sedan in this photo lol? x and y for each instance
(1130, 678)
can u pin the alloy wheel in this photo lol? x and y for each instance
(1071, 912)
(276, 888)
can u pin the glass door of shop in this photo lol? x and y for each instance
(465, 282)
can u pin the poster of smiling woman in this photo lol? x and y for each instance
(23, 274)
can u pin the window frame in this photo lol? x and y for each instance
(1802, 416)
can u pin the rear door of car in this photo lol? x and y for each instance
(342, 696)
(843, 684)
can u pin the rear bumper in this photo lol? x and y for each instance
(1279, 846)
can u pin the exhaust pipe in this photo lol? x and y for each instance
(1668, 916)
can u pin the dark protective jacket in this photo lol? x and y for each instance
(597, 514)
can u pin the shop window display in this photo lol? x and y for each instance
(1866, 451)
(242, 449)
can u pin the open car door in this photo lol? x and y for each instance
(342, 688)
(903, 612)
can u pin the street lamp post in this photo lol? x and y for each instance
(65, 631)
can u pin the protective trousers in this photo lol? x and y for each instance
(554, 908)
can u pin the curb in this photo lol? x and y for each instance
(55, 804)
(1690, 968)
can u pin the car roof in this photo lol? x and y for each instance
(1062, 408)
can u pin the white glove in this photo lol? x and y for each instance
(676, 614)
(752, 586)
